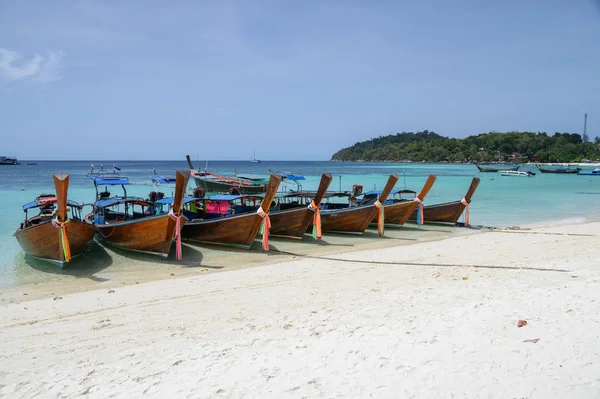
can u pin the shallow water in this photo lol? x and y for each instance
(499, 201)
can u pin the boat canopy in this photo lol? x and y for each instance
(293, 177)
(169, 200)
(110, 180)
(114, 201)
(45, 201)
(231, 197)
(378, 192)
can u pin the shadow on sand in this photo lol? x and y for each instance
(93, 260)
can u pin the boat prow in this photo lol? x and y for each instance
(52, 235)
(448, 212)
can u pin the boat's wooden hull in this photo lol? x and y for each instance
(290, 223)
(348, 220)
(491, 169)
(221, 187)
(559, 172)
(234, 231)
(153, 234)
(42, 241)
(448, 212)
(397, 213)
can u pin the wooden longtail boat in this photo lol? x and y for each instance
(355, 219)
(487, 168)
(135, 224)
(449, 212)
(237, 230)
(211, 182)
(400, 209)
(560, 170)
(293, 218)
(43, 236)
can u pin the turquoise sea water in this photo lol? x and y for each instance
(499, 201)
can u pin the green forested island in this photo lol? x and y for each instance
(488, 147)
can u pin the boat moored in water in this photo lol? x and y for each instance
(212, 182)
(297, 211)
(230, 220)
(560, 170)
(516, 173)
(351, 217)
(487, 168)
(400, 203)
(53, 235)
(449, 212)
(136, 224)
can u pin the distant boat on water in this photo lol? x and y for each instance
(8, 161)
(560, 170)
(516, 173)
(487, 168)
(254, 157)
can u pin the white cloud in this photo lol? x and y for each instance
(39, 68)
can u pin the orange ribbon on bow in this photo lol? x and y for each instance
(316, 233)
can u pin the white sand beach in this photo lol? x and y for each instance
(434, 319)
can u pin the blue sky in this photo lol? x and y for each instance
(297, 80)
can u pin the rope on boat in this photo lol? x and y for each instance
(420, 213)
(467, 212)
(111, 233)
(316, 233)
(64, 240)
(380, 217)
(177, 219)
(264, 228)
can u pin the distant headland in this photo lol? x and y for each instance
(428, 146)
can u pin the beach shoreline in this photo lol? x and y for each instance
(204, 260)
(429, 319)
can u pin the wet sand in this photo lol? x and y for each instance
(106, 267)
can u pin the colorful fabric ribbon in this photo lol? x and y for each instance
(380, 217)
(316, 233)
(420, 213)
(177, 219)
(64, 240)
(264, 228)
(467, 211)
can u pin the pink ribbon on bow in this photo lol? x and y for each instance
(177, 220)
(266, 225)
(467, 211)
(420, 213)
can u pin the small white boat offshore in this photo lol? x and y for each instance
(515, 173)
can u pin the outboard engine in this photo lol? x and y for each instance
(357, 190)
